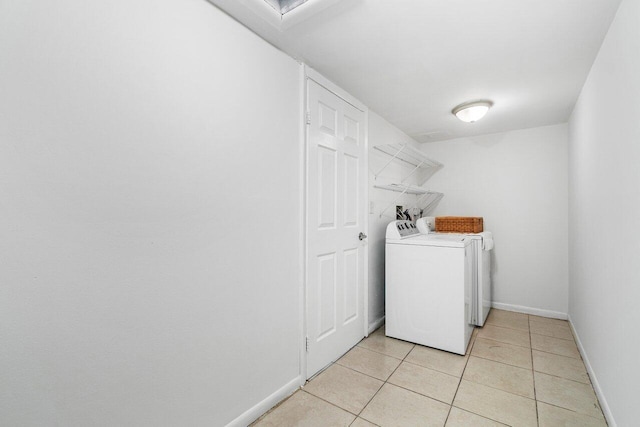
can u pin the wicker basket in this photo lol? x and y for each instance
(459, 224)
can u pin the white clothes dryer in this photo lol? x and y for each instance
(481, 248)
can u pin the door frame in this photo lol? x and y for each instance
(308, 73)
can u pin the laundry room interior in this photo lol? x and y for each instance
(176, 176)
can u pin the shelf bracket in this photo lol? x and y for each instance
(395, 156)
(431, 204)
(412, 172)
(394, 202)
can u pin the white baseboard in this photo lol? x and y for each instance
(594, 380)
(530, 310)
(254, 413)
(376, 324)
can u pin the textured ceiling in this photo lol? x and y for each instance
(412, 61)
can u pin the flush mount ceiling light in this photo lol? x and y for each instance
(472, 111)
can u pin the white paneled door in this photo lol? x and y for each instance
(336, 197)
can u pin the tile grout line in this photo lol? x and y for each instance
(557, 354)
(370, 376)
(557, 338)
(461, 375)
(431, 369)
(485, 385)
(333, 404)
(574, 411)
(566, 324)
(505, 342)
(497, 361)
(468, 355)
(379, 352)
(533, 373)
(326, 401)
(419, 394)
(385, 382)
(499, 389)
(562, 378)
(346, 367)
(503, 326)
(558, 376)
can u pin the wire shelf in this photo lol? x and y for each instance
(408, 155)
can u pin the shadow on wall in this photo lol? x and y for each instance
(487, 141)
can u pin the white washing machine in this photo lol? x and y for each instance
(428, 287)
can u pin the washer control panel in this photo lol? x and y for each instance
(401, 229)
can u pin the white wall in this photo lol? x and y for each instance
(517, 181)
(604, 209)
(382, 132)
(135, 136)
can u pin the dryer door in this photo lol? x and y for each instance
(484, 284)
(474, 292)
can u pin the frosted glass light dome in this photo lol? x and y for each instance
(472, 111)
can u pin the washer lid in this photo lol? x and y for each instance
(443, 240)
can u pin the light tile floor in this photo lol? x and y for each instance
(520, 370)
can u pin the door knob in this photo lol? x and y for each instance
(362, 236)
